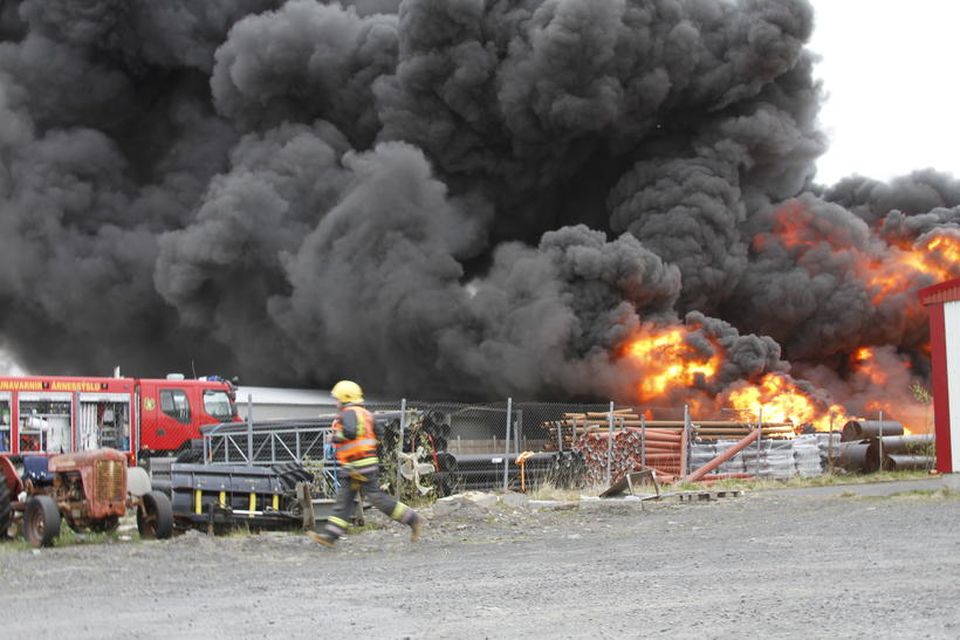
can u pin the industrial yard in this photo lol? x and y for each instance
(549, 320)
(771, 564)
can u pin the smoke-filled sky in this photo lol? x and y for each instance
(453, 198)
(890, 79)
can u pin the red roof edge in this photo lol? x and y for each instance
(948, 291)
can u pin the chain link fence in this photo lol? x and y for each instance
(434, 449)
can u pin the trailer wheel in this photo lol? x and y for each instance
(6, 510)
(155, 516)
(41, 521)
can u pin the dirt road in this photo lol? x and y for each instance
(756, 566)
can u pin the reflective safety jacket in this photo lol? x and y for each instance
(354, 437)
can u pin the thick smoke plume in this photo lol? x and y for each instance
(446, 198)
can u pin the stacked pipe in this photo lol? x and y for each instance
(564, 433)
(777, 459)
(900, 453)
(829, 446)
(632, 448)
(731, 430)
(870, 445)
(574, 425)
(484, 471)
(568, 470)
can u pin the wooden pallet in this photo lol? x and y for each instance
(706, 496)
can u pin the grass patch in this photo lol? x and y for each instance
(825, 480)
(944, 493)
(69, 538)
(548, 491)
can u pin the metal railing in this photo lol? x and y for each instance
(274, 442)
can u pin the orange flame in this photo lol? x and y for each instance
(864, 361)
(782, 401)
(885, 270)
(668, 362)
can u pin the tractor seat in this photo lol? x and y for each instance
(35, 469)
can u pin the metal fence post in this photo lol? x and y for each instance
(880, 443)
(759, 436)
(643, 441)
(249, 428)
(518, 432)
(830, 446)
(403, 426)
(609, 442)
(506, 454)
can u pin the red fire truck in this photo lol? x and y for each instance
(139, 416)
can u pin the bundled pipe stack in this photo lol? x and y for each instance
(701, 453)
(829, 446)
(732, 430)
(771, 459)
(806, 456)
(484, 471)
(631, 448)
(733, 466)
(565, 432)
(568, 470)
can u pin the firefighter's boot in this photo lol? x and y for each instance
(319, 538)
(416, 528)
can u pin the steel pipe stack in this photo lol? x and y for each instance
(858, 430)
(900, 453)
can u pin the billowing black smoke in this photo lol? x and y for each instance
(461, 198)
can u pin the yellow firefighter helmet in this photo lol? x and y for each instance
(347, 391)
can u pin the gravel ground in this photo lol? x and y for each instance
(762, 565)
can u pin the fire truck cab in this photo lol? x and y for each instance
(138, 416)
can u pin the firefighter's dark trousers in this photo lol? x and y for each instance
(366, 480)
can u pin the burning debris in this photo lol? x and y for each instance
(553, 198)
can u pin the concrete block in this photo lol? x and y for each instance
(515, 500)
(481, 499)
(630, 503)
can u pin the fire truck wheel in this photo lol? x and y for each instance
(155, 516)
(41, 521)
(6, 511)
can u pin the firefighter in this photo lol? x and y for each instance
(355, 441)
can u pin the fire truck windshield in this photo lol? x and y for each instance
(219, 405)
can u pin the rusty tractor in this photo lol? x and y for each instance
(91, 490)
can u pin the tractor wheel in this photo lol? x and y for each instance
(155, 516)
(6, 511)
(41, 521)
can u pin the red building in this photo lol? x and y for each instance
(943, 300)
